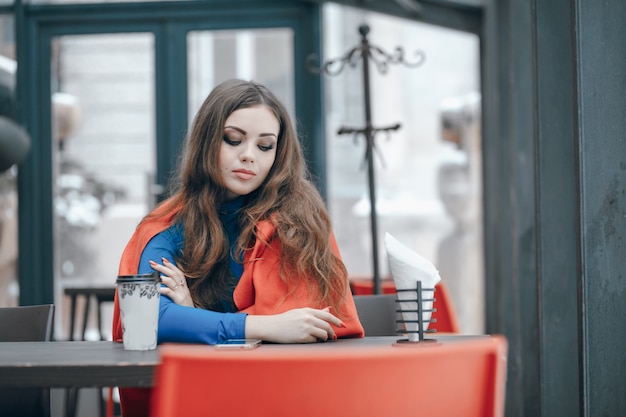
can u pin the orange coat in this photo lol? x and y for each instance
(260, 290)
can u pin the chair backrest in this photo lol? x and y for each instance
(457, 378)
(26, 324)
(444, 314)
(377, 314)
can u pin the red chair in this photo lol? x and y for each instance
(365, 285)
(445, 315)
(455, 378)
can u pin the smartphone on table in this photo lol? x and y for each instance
(239, 344)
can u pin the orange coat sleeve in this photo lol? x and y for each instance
(261, 290)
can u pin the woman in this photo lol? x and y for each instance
(244, 246)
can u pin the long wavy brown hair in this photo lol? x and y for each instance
(287, 198)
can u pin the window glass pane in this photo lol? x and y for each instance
(104, 154)
(428, 179)
(263, 55)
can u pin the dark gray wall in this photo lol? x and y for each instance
(601, 132)
(555, 181)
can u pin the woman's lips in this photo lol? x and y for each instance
(244, 174)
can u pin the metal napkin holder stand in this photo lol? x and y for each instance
(420, 310)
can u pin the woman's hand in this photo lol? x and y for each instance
(175, 283)
(301, 325)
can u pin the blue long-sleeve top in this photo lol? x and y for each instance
(182, 324)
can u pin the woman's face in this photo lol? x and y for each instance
(248, 149)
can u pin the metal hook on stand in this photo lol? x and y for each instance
(367, 52)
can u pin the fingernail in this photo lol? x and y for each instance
(334, 337)
(342, 324)
(165, 260)
(326, 308)
(152, 263)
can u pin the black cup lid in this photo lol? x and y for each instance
(152, 277)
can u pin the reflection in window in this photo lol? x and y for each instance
(428, 180)
(263, 55)
(103, 153)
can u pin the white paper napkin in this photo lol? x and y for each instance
(407, 267)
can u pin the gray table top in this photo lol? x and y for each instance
(103, 364)
(74, 363)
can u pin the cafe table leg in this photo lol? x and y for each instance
(72, 315)
(71, 394)
(71, 399)
(86, 314)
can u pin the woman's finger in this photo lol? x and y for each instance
(326, 328)
(326, 315)
(166, 291)
(167, 268)
(320, 334)
(172, 267)
(170, 271)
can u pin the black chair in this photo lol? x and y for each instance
(377, 314)
(26, 324)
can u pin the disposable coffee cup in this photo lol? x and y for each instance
(138, 297)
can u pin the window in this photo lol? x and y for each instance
(428, 173)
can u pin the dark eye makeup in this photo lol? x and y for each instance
(230, 141)
(236, 142)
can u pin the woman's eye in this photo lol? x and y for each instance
(266, 148)
(230, 141)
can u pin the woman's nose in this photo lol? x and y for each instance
(247, 153)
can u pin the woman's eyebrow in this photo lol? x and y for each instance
(243, 132)
(268, 134)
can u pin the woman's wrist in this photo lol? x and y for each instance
(254, 327)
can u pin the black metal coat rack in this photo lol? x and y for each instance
(367, 52)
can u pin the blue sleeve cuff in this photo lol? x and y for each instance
(181, 324)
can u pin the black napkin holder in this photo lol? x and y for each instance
(418, 301)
